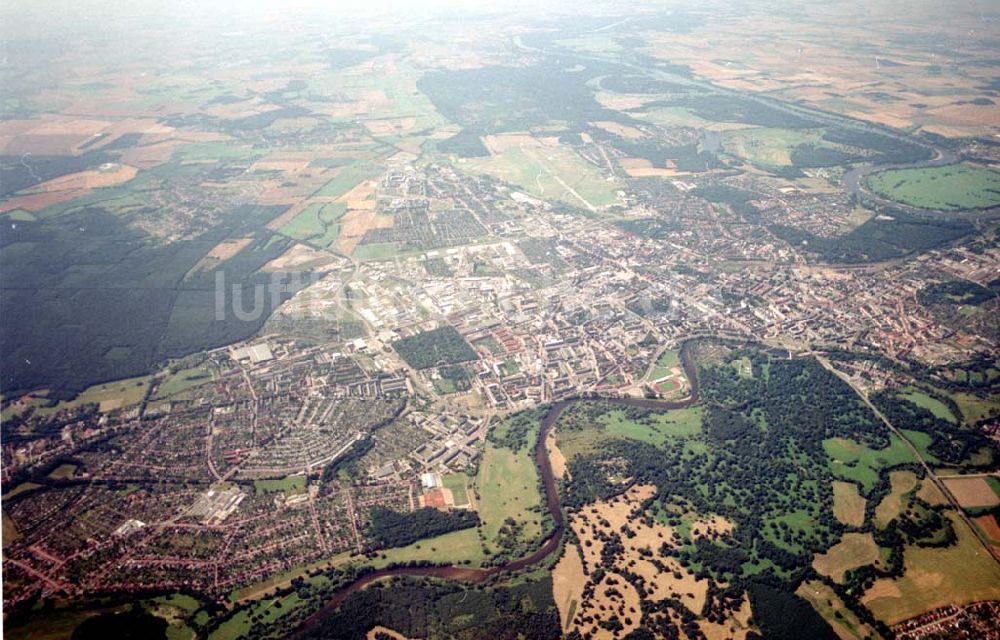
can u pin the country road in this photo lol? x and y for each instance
(990, 549)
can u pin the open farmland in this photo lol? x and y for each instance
(934, 577)
(972, 492)
(848, 505)
(855, 550)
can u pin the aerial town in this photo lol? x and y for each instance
(304, 348)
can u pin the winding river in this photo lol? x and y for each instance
(549, 544)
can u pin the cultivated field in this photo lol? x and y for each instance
(934, 577)
(848, 505)
(854, 550)
(972, 492)
(901, 483)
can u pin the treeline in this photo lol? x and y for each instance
(737, 199)
(950, 443)
(806, 156)
(883, 237)
(955, 292)
(390, 528)
(782, 615)
(512, 433)
(886, 149)
(759, 433)
(422, 609)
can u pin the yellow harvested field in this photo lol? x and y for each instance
(854, 550)
(972, 492)
(934, 577)
(902, 482)
(147, 157)
(10, 532)
(49, 135)
(848, 504)
(642, 168)
(70, 187)
(362, 196)
(568, 581)
(355, 223)
(280, 162)
(228, 248)
(929, 493)
(990, 526)
(35, 202)
(91, 179)
(300, 256)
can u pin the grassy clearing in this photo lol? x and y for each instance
(349, 177)
(848, 504)
(63, 471)
(672, 117)
(284, 579)
(902, 482)
(934, 577)
(457, 547)
(24, 487)
(508, 488)
(111, 395)
(550, 172)
(921, 441)
(457, 483)
(317, 225)
(854, 550)
(236, 627)
(950, 188)
(829, 605)
(10, 532)
(52, 625)
(667, 360)
(376, 251)
(768, 147)
(935, 406)
(577, 443)
(673, 424)
(852, 461)
(289, 484)
(182, 381)
(20, 215)
(975, 408)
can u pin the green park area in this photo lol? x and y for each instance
(950, 188)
